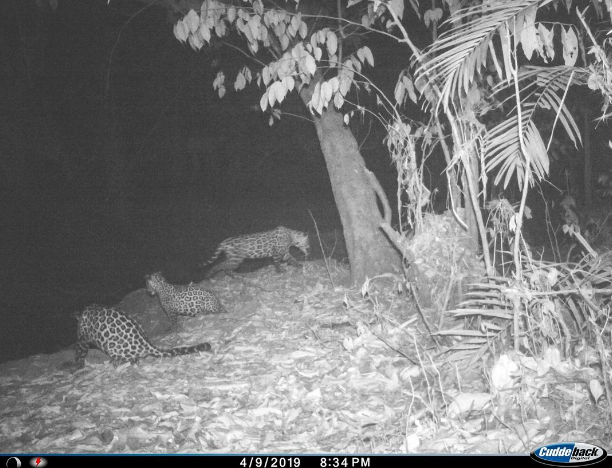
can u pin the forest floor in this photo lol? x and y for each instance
(299, 365)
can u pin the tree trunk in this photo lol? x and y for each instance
(370, 252)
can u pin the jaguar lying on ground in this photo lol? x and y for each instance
(275, 244)
(182, 300)
(119, 336)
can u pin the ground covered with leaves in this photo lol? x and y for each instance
(299, 365)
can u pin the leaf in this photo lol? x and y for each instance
(313, 41)
(195, 41)
(314, 100)
(247, 74)
(596, 389)
(528, 34)
(255, 27)
(220, 29)
(400, 92)
(258, 7)
(410, 88)
(192, 20)
(332, 43)
(284, 41)
(279, 90)
(368, 55)
(338, 100)
(546, 38)
(265, 74)
(353, 2)
(428, 18)
(570, 46)
(263, 102)
(506, 51)
(295, 24)
(346, 77)
(502, 375)
(181, 31)
(334, 83)
(240, 24)
(240, 82)
(326, 93)
(271, 96)
(288, 82)
(303, 30)
(397, 7)
(310, 64)
(291, 30)
(205, 32)
(219, 80)
(318, 53)
(231, 14)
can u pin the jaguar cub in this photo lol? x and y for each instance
(275, 244)
(119, 336)
(182, 300)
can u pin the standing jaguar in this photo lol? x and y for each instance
(275, 244)
(182, 300)
(119, 336)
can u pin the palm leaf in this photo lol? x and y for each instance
(456, 56)
(543, 88)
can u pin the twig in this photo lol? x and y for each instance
(331, 280)
(399, 351)
(318, 338)
(420, 311)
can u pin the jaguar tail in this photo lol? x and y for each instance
(182, 350)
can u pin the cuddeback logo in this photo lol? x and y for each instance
(575, 454)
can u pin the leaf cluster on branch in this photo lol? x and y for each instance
(299, 44)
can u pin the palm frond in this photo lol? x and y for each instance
(502, 146)
(543, 89)
(455, 57)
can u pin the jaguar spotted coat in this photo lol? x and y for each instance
(120, 336)
(182, 300)
(275, 244)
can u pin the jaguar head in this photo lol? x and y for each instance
(300, 240)
(154, 281)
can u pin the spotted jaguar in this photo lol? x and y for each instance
(182, 300)
(119, 336)
(275, 244)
